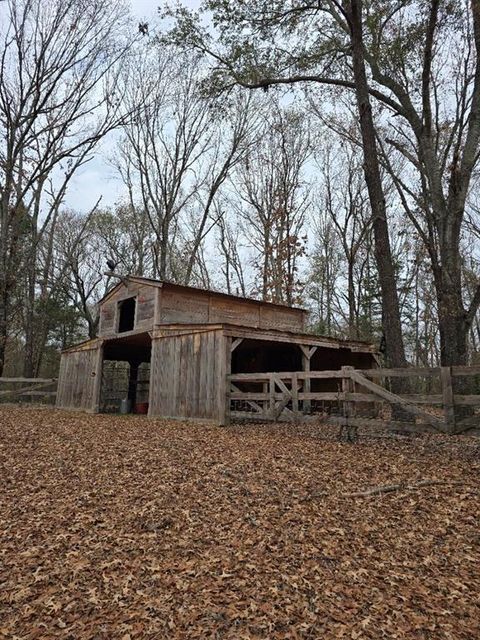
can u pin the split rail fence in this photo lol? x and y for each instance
(361, 398)
(36, 389)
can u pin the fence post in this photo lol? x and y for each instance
(448, 399)
(271, 393)
(347, 388)
(307, 353)
(295, 395)
(307, 404)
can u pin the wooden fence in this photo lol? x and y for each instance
(36, 389)
(361, 398)
(348, 397)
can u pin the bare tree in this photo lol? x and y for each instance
(347, 205)
(324, 276)
(177, 154)
(419, 62)
(273, 200)
(58, 98)
(232, 267)
(236, 133)
(123, 234)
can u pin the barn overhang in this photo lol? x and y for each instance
(237, 331)
(136, 347)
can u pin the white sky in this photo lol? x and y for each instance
(97, 178)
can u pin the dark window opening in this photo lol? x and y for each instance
(126, 311)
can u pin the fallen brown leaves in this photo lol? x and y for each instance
(122, 527)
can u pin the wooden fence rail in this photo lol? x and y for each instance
(39, 388)
(289, 396)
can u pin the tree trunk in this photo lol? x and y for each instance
(395, 352)
(352, 316)
(3, 324)
(452, 327)
(30, 314)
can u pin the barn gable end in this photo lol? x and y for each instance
(159, 303)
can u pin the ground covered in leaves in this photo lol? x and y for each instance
(123, 527)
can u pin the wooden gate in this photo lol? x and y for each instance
(288, 397)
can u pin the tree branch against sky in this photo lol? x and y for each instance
(423, 72)
(323, 154)
(58, 98)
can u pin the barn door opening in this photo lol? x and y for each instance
(126, 374)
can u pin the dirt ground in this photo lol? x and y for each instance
(123, 527)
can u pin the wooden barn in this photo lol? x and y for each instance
(179, 344)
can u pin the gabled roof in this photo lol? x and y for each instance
(171, 285)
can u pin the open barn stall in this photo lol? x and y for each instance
(122, 393)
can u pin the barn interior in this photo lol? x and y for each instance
(126, 372)
(262, 356)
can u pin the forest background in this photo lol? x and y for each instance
(318, 154)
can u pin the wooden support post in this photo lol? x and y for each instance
(265, 402)
(152, 378)
(347, 389)
(448, 399)
(348, 406)
(157, 312)
(307, 353)
(307, 404)
(225, 366)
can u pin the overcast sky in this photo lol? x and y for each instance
(97, 178)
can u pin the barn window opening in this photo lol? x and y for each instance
(126, 321)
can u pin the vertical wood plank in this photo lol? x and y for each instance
(347, 388)
(205, 358)
(211, 373)
(265, 413)
(307, 404)
(172, 400)
(61, 381)
(153, 379)
(157, 314)
(97, 381)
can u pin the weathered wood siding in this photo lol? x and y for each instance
(280, 318)
(187, 376)
(198, 307)
(160, 304)
(77, 379)
(145, 296)
(177, 307)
